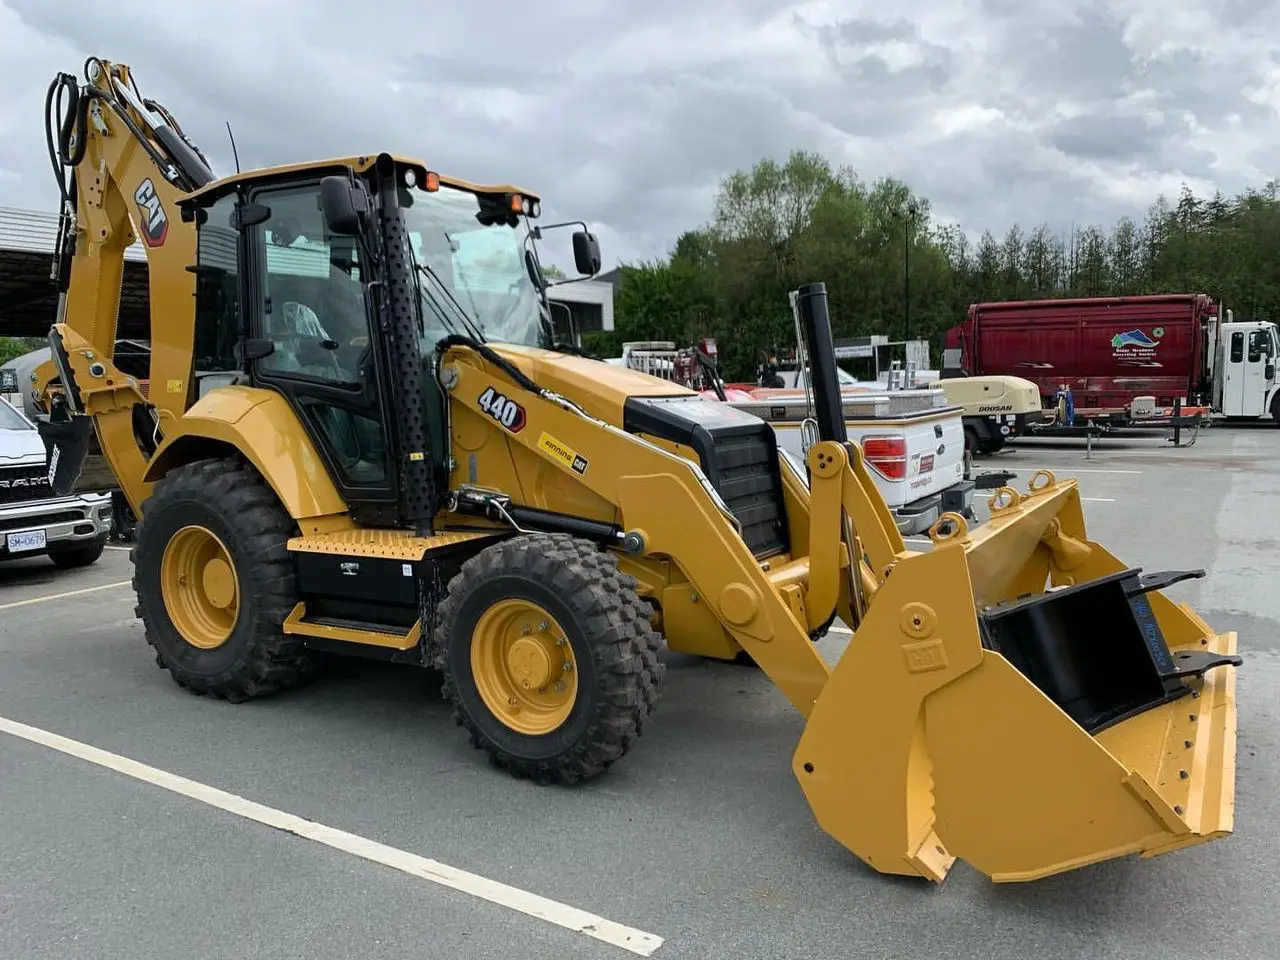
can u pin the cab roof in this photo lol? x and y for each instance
(359, 164)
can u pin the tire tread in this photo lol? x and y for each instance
(272, 661)
(624, 646)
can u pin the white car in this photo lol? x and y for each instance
(71, 531)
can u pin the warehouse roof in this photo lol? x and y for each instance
(28, 300)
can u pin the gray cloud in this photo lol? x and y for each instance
(628, 114)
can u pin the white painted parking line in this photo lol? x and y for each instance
(125, 549)
(1098, 499)
(69, 593)
(579, 921)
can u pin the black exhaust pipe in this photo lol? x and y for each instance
(815, 326)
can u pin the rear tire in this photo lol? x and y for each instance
(991, 445)
(215, 581)
(78, 554)
(548, 600)
(1275, 409)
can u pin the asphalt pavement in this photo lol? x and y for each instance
(700, 836)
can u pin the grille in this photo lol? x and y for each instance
(746, 477)
(19, 484)
(43, 519)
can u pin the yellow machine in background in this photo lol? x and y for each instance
(356, 439)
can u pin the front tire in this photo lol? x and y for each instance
(74, 555)
(549, 659)
(215, 581)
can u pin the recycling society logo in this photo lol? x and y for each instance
(1135, 338)
(1135, 346)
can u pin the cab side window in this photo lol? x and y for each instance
(1237, 347)
(313, 309)
(1259, 344)
(217, 289)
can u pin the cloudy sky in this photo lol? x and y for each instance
(626, 113)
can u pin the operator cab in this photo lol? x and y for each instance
(290, 295)
(1248, 384)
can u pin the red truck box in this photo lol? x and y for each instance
(1107, 350)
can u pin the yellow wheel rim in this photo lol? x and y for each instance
(523, 666)
(200, 587)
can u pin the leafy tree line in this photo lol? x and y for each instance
(777, 226)
(11, 347)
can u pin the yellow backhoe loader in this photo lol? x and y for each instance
(357, 439)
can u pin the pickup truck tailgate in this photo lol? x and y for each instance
(935, 454)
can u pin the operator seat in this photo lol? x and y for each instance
(298, 337)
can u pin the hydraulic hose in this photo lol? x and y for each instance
(66, 111)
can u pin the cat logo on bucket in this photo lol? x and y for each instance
(563, 452)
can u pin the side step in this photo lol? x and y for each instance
(365, 591)
(341, 630)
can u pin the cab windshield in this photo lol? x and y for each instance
(483, 267)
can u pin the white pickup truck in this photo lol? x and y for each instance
(913, 440)
(71, 531)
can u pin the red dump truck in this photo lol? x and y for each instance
(1108, 351)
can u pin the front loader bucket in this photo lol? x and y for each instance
(978, 715)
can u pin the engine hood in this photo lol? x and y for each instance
(600, 388)
(20, 446)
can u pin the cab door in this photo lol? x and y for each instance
(1257, 356)
(1233, 401)
(307, 302)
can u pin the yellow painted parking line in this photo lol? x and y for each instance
(69, 593)
(531, 904)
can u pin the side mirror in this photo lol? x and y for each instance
(586, 253)
(1270, 371)
(535, 272)
(344, 204)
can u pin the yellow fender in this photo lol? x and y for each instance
(261, 425)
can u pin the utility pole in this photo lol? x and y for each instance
(907, 223)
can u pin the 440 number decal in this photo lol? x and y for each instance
(503, 409)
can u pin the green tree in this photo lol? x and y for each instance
(11, 347)
(779, 225)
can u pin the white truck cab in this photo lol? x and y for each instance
(72, 531)
(1245, 379)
